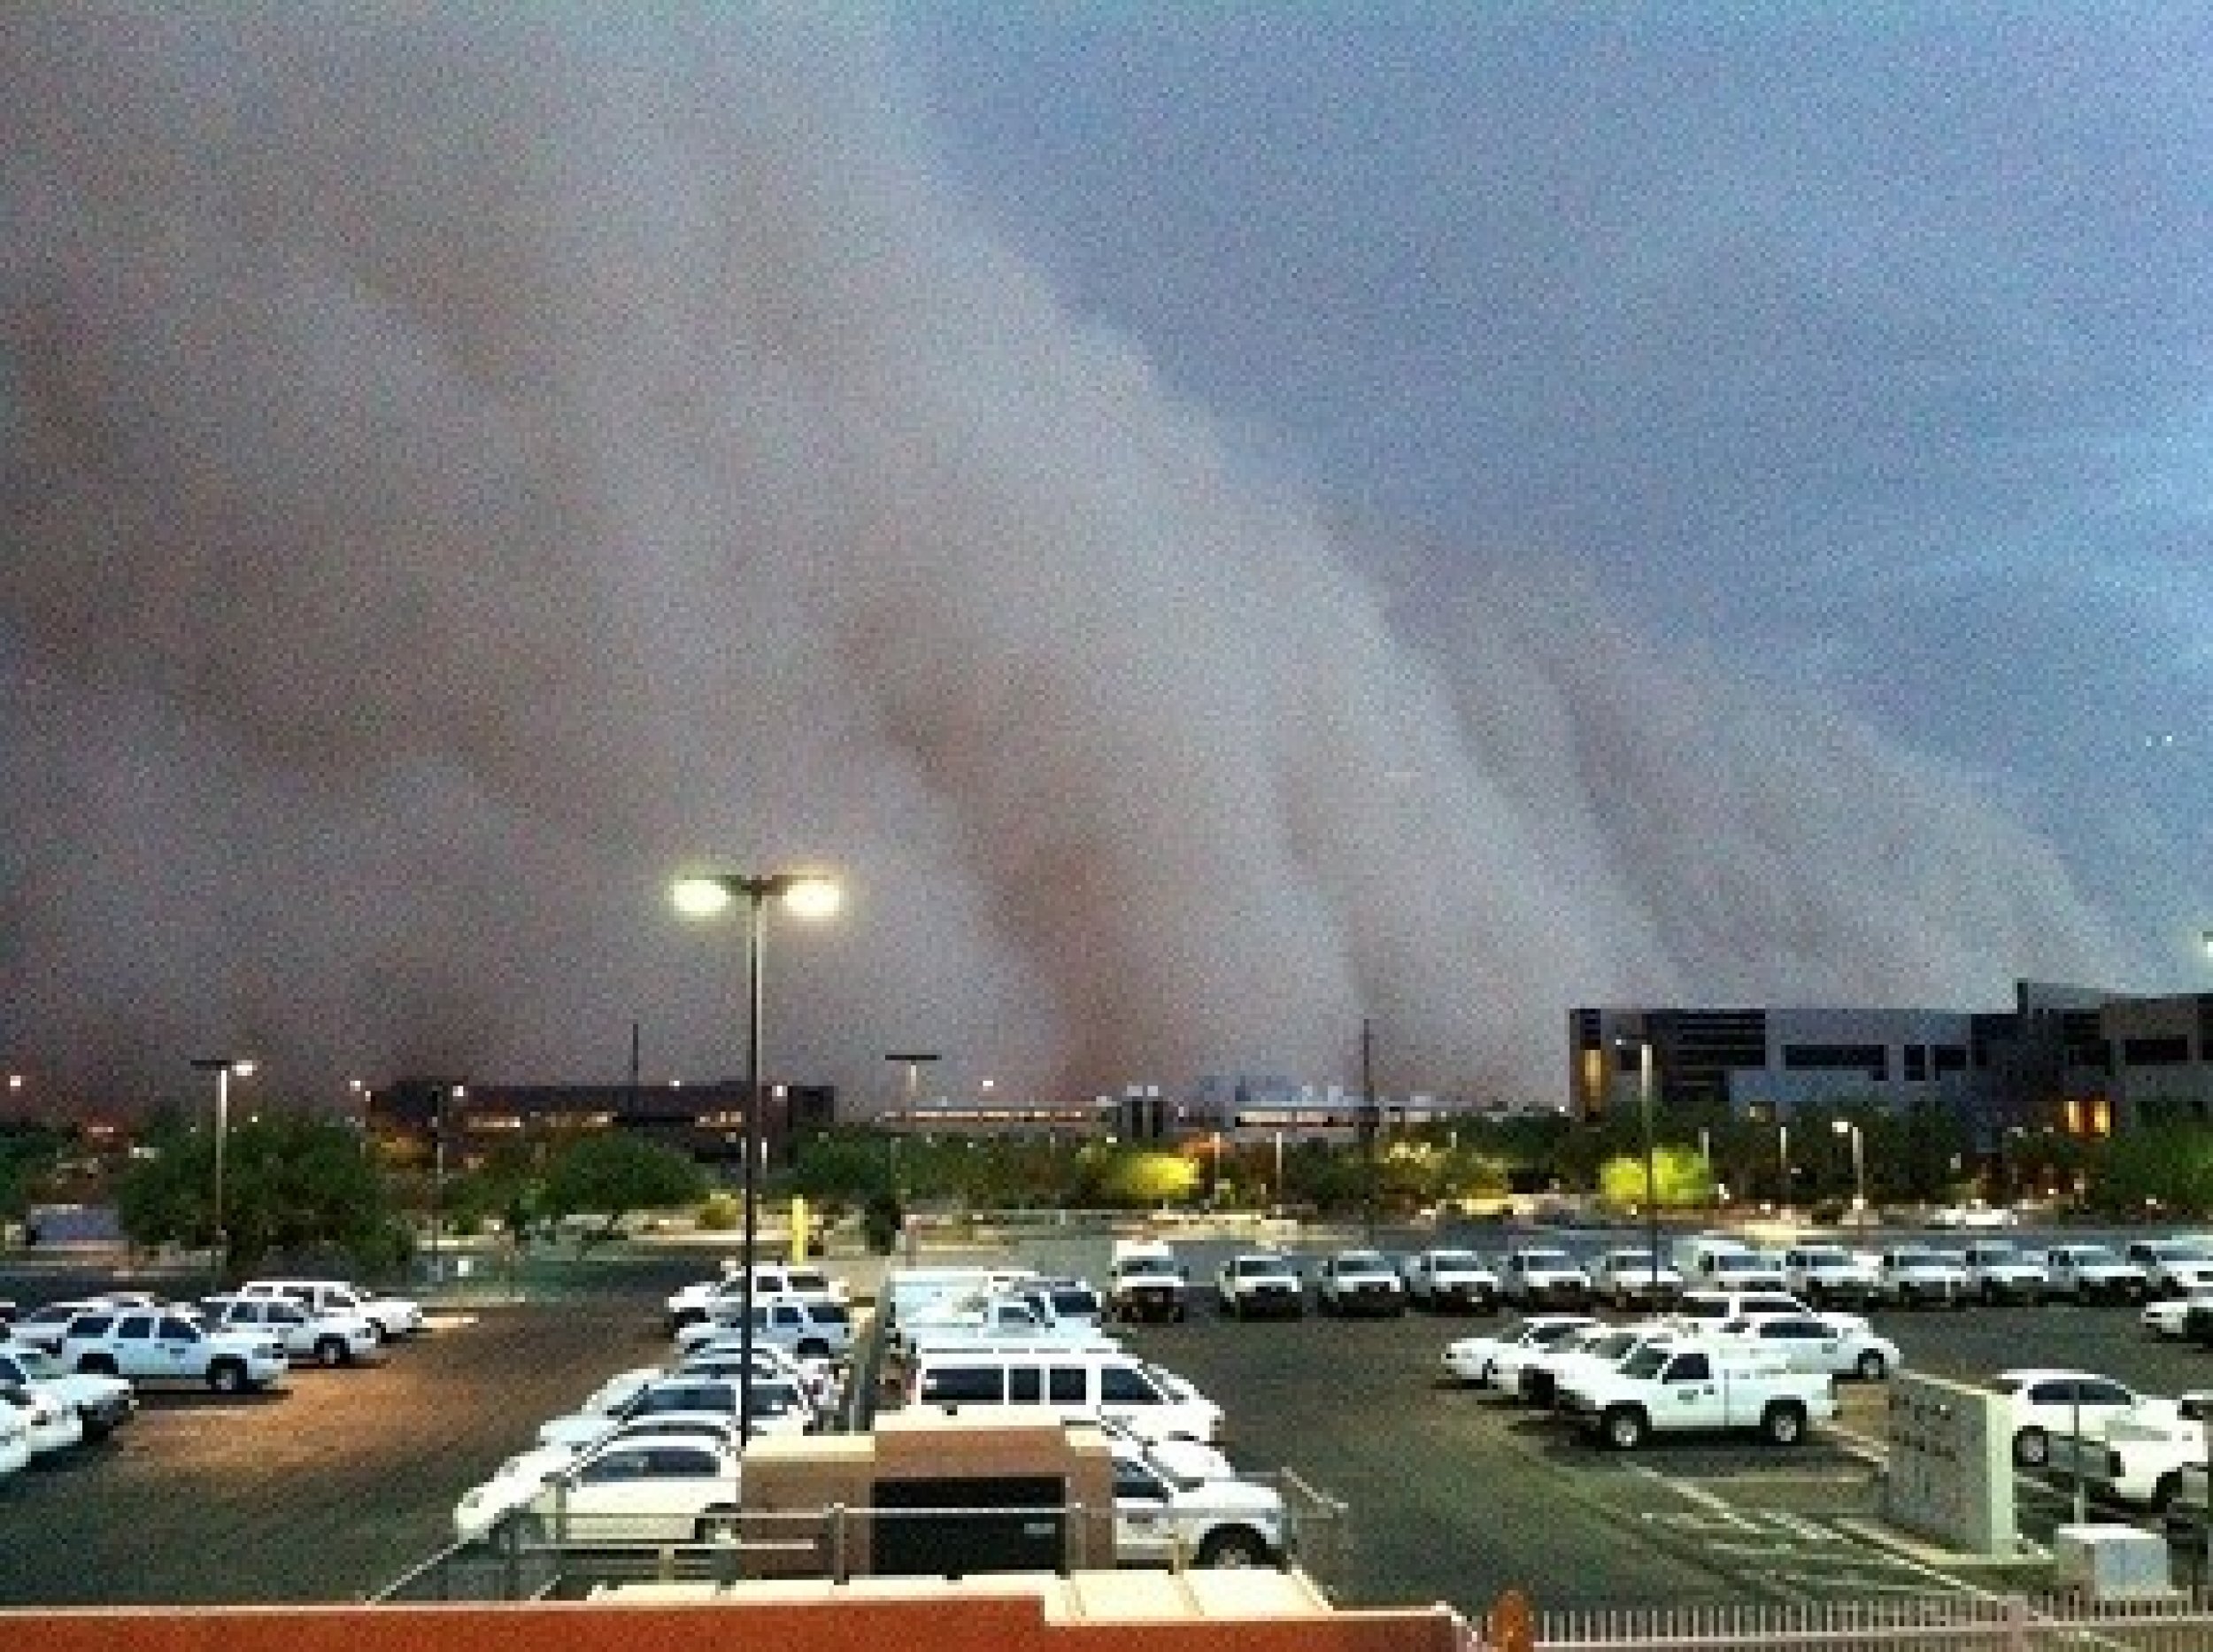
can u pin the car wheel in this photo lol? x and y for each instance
(1783, 1424)
(1625, 1428)
(2163, 1494)
(1870, 1366)
(1236, 1548)
(226, 1376)
(2031, 1448)
(2082, 1293)
(717, 1526)
(330, 1351)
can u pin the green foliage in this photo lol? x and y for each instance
(2166, 1167)
(292, 1183)
(1679, 1178)
(611, 1173)
(721, 1213)
(28, 1156)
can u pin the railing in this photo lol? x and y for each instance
(2181, 1622)
(528, 1556)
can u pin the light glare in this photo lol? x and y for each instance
(700, 896)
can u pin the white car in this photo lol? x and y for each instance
(1973, 1217)
(1536, 1275)
(1261, 1284)
(1443, 1279)
(777, 1406)
(394, 1316)
(1475, 1361)
(1358, 1282)
(2048, 1400)
(2172, 1267)
(675, 1485)
(1162, 1517)
(102, 1404)
(1544, 1368)
(2169, 1316)
(334, 1335)
(15, 1440)
(1627, 1276)
(2088, 1273)
(1834, 1347)
(52, 1422)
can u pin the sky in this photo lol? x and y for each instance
(1221, 523)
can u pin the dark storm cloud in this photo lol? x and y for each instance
(459, 466)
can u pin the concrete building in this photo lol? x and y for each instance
(2045, 1062)
(706, 1121)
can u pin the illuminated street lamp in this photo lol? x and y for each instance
(1848, 1127)
(804, 895)
(1651, 1177)
(225, 1068)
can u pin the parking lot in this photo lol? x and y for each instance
(333, 1487)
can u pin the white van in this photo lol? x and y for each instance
(1074, 1384)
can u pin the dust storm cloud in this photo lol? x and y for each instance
(459, 465)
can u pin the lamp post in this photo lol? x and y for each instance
(456, 1093)
(1849, 1127)
(225, 1068)
(806, 895)
(1651, 1177)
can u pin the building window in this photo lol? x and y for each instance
(1950, 1058)
(1871, 1059)
(2162, 1052)
(1916, 1062)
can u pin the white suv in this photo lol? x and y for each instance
(394, 1315)
(338, 1337)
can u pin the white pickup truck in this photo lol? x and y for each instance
(1998, 1271)
(2151, 1455)
(1700, 1385)
(1915, 1274)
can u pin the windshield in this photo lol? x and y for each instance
(2177, 1250)
(1548, 1258)
(1642, 1261)
(1646, 1362)
(1148, 1266)
(1266, 1267)
(1739, 1263)
(1362, 1261)
(1455, 1261)
(2093, 1253)
(1825, 1257)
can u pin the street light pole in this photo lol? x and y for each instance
(223, 1067)
(1652, 1178)
(1843, 1127)
(807, 895)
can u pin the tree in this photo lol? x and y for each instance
(1679, 1178)
(293, 1182)
(610, 1173)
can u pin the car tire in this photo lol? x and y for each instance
(330, 1351)
(1870, 1366)
(2031, 1448)
(1783, 1424)
(226, 1376)
(1233, 1549)
(2164, 1495)
(716, 1526)
(1624, 1428)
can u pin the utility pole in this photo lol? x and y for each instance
(1368, 1120)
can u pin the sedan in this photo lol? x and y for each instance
(2169, 1316)
(672, 1486)
(51, 1422)
(776, 1406)
(1820, 1343)
(2046, 1401)
(1476, 1360)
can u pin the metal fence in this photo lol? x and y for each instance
(535, 1557)
(2179, 1622)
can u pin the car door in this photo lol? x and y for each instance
(1693, 1391)
(1145, 1531)
(178, 1344)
